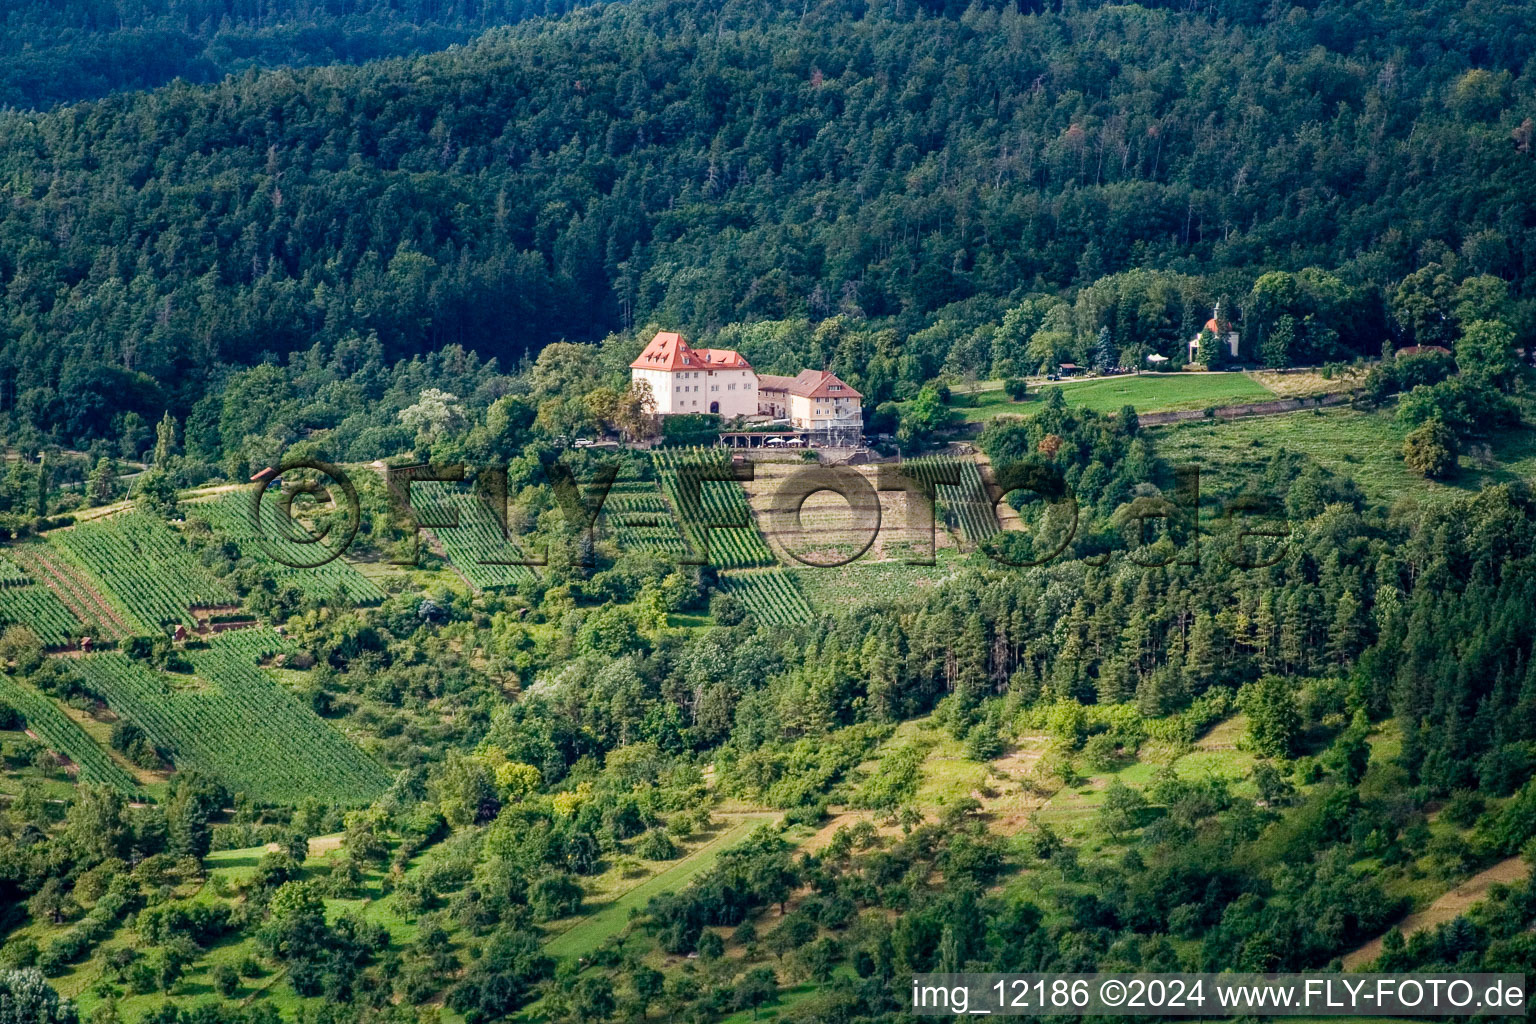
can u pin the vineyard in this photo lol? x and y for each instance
(13, 575)
(966, 507)
(252, 646)
(143, 562)
(101, 618)
(638, 518)
(230, 516)
(477, 543)
(866, 584)
(64, 736)
(722, 501)
(25, 603)
(236, 722)
(770, 595)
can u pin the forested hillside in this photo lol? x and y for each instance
(60, 51)
(1230, 692)
(705, 164)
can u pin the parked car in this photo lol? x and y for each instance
(583, 442)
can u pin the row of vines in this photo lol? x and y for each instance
(276, 546)
(768, 595)
(25, 603)
(720, 501)
(966, 506)
(144, 564)
(64, 735)
(235, 721)
(637, 517)
(13, 575)
(475, 543)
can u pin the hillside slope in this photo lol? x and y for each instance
(702, 164)
(60, 52)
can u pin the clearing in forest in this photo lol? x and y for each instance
(1146, 392)
(590, 931)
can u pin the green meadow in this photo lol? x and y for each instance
(1146, 392)
(1367, 446)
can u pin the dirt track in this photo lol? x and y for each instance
(1446, 907)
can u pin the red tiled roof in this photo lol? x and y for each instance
(1217, 329)
(723, 359)
(773, 382)
(819, 384)
(668, 351)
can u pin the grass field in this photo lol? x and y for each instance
(1148, 392)
(1073, 810)
(1365, 445)
(608, 919)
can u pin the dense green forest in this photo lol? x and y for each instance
(81, 49)
(705, 165)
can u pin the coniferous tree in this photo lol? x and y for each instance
(1104, 351)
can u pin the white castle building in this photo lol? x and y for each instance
(720, 381)
(685, 379)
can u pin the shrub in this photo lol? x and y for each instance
(711, 946)
(810, 813)
(1464, 808)
(554, 896)
(656, 845)
(226, 980)
(983, 742)
(1430, 450)
(18, 953)
(1101, 753)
